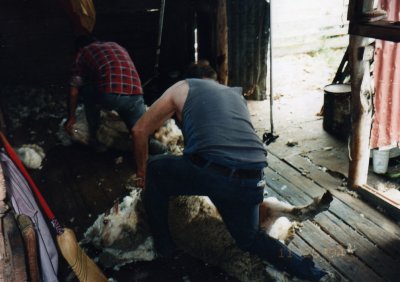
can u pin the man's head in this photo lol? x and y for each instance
(201, 69)
(84, 40)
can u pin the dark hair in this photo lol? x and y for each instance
(201, 69)
(84, 40)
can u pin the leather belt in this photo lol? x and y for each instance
(224, 170)
(121, 94)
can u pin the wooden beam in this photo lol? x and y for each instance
(384, 30)
(361, 111)
(376, 198)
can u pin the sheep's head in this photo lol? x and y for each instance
(115, 228)
(123, 226)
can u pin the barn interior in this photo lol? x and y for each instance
(358, 238)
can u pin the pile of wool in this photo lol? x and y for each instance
(31, 155)
(171, 136)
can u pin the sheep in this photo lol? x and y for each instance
(122, 234)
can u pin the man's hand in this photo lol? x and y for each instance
(139, 181)
(69, 126)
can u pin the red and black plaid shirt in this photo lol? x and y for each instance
(109, 66)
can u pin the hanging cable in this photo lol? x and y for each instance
(269, 137)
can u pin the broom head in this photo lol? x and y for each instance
(84, 268)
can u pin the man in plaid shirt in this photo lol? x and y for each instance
(105, 75)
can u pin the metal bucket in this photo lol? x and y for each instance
(337, 110)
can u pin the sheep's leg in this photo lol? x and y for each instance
(273, 219)
(318, 205)
(291, 232)
(271, 209)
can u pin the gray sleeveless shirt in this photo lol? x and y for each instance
(216, 125)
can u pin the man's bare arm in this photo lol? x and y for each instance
(162, 109)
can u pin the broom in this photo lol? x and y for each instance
(85, 269)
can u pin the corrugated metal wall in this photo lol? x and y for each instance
(386, 120)
(248, 27)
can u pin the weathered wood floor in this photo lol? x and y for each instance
(352, 238)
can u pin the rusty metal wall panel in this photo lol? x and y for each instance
(386, 122)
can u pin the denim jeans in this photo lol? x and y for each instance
(129, 107)
(237, 200)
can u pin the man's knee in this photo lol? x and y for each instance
(155, 169)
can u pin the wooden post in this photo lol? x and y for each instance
(222, 42)
(361, 109)
(361, 98)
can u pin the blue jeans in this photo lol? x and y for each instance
(129, 107)
(237, 200)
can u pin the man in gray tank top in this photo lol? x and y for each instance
(223, 159)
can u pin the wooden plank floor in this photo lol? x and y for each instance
(351, 238)
(357, 241)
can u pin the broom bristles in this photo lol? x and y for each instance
(84, 268)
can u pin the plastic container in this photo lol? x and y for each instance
(380, 160)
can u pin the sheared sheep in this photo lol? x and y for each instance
(122, 234)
